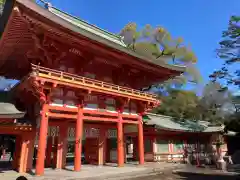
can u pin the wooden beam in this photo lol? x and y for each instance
(98, 112)
(59, 108)
(91, 118)
(64, 116)
(130, 122)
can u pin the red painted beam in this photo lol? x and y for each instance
(99, 119)
(59, 108)
(130, 122)
(97, 112)
(65, 116)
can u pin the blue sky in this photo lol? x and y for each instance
(199, 22)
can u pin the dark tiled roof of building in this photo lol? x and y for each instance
(9, 111)
(168, 123)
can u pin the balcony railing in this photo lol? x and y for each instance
(86, 83)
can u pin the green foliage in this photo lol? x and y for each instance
(179, 104)
(233, 120)
(233, 123)
(236, 103)
(229, 51)
(210, 107)
(158, 45)
(2, 2)
(215, 104)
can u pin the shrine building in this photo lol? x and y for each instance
(77, 83)
(165, 138)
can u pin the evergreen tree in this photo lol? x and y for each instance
(229, 51)
(158, 45)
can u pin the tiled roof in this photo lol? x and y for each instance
(87, 27)
(168, 123)
(97, 34)
(9, 111)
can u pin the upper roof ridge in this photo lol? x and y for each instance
(54, 9)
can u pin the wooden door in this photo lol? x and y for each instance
(91, 150)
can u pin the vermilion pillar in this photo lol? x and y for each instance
(120, 147)
(23, 153)
(42, 141)
(62, 146)
(140, 141)
(78, 140)
(26, 152)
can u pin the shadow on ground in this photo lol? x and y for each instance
(193, 176)
(187, 176)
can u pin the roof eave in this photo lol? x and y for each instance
(66, 24)
(12, 116)
(123, 48)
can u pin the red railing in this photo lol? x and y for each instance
(91, 83)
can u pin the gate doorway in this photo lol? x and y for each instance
(8, 152)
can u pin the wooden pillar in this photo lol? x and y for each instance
(30, 147)
(125, 148)
(43, 130)
(62, 146)
(23, 152)
(17, 153)
(102, 146)
(154, 144)
(135, 149)
(198, 153)
(108, 149)
(78, 140)
(49, 151)
(154, 147)
(65, 146)
(120, 146)
(55, 148)
(140, 141)
(26, 154)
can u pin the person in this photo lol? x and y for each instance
(21, 178)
